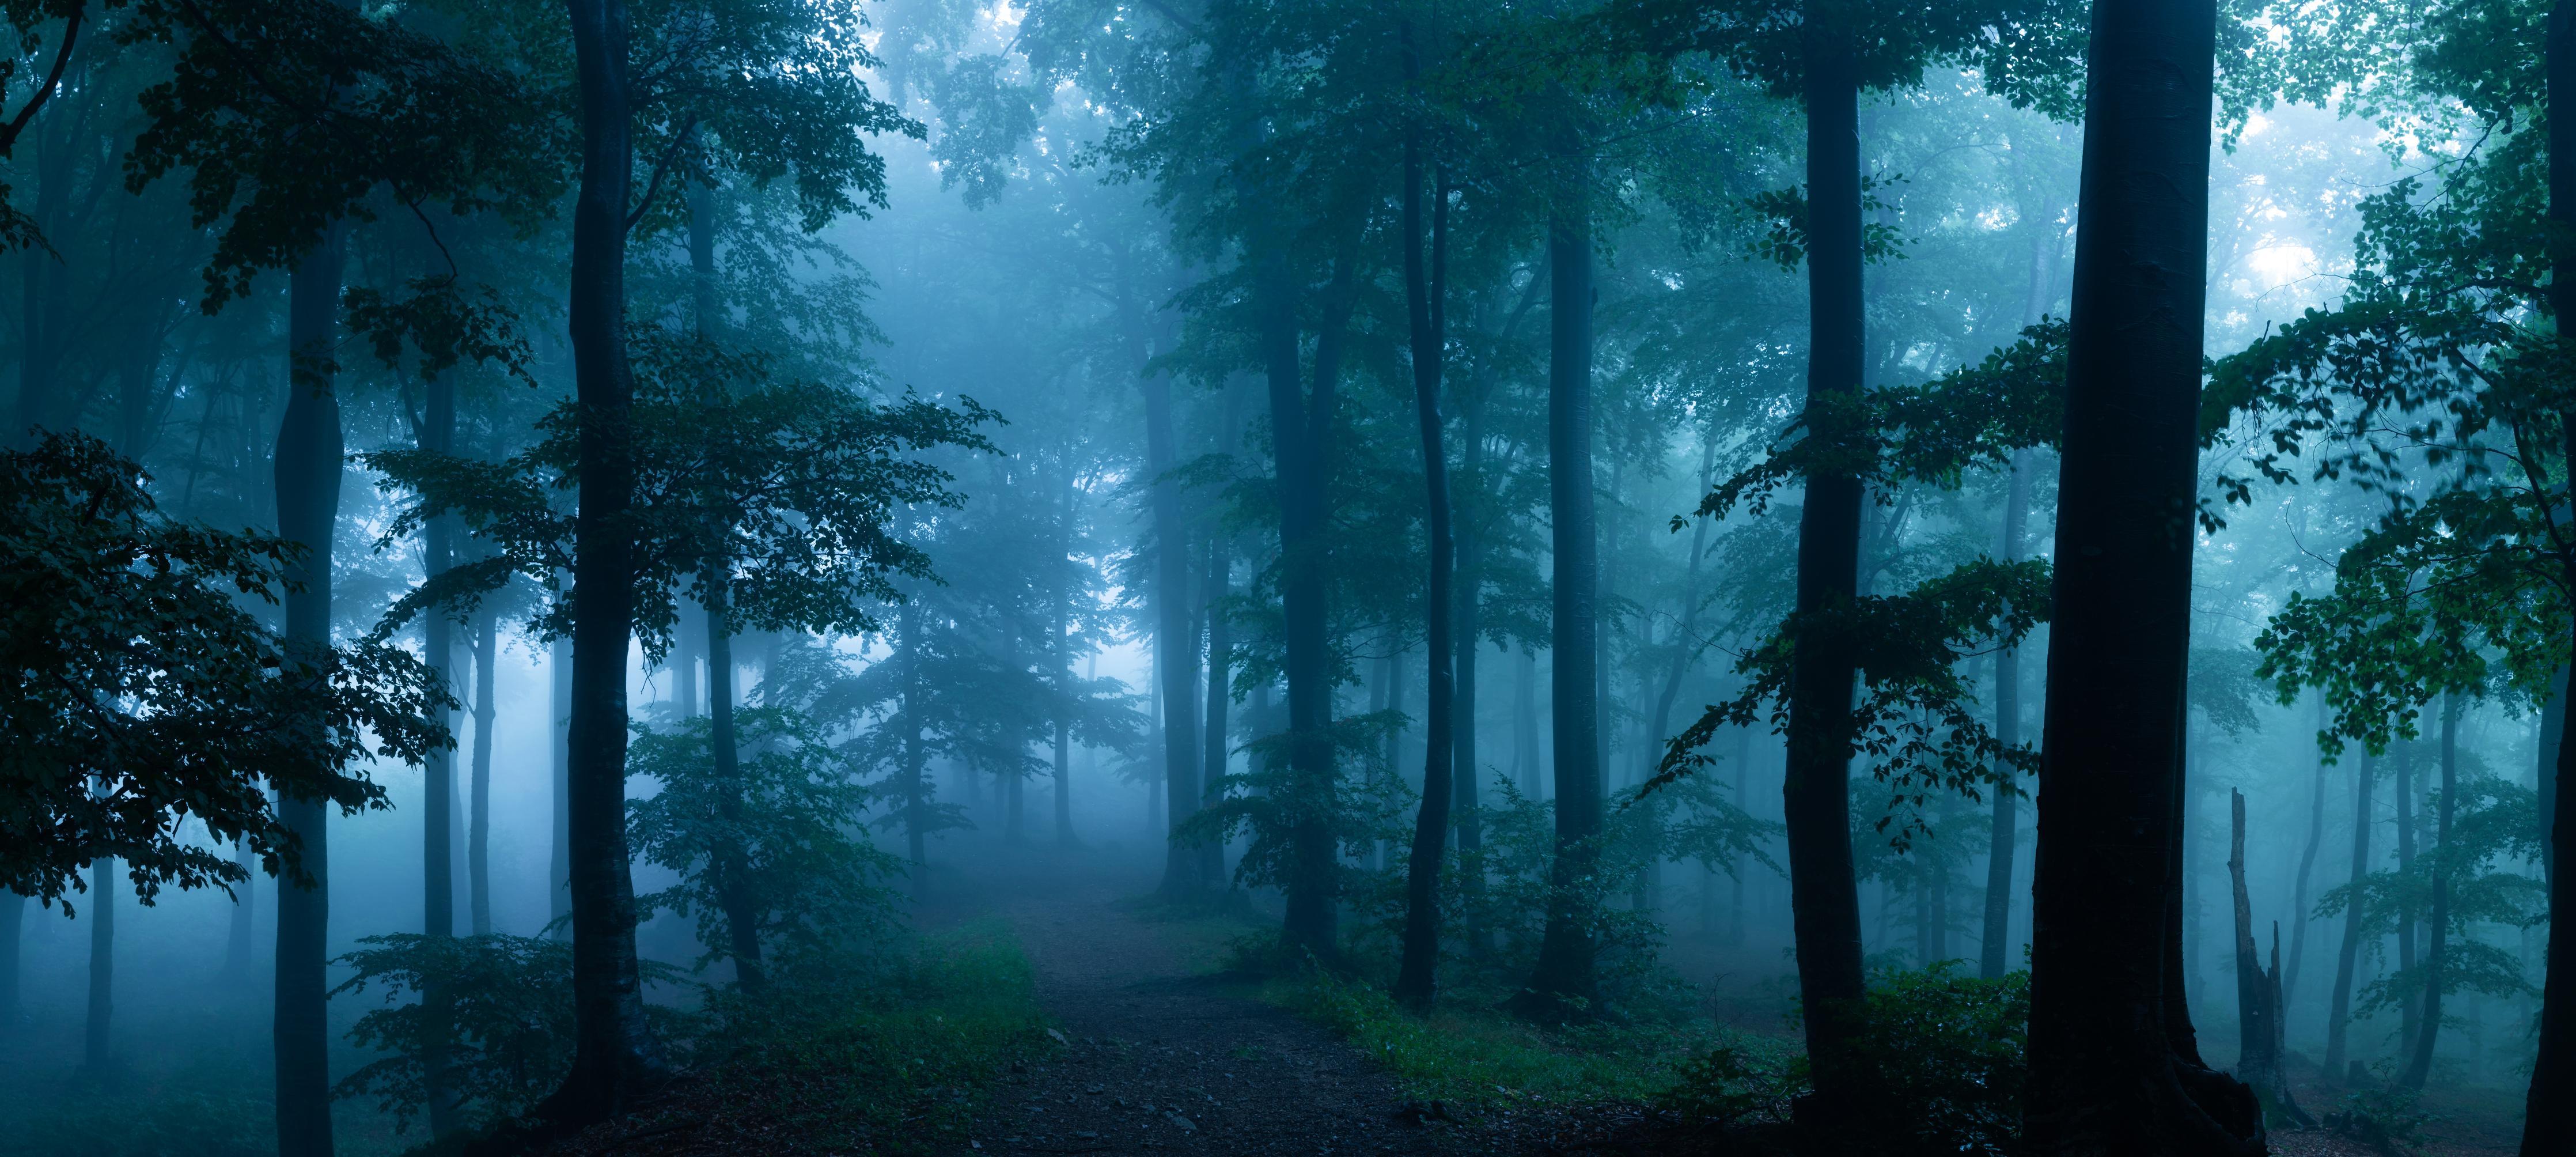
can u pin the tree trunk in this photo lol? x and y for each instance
(1064, 669)
(616, 1056)
(559, 863)
(2111, 1068)
(13, 919)
(1218, 574)
(2339, 1006)
(1426, 309)
(438, 779)
(1175, 636)
(1563, 984)
(308, 470)
(2003, 843)
(1735, 871)
(478, 840)
(2429, 1026)
(96, 1062)
(2549, 1114)
(2544, 774)
(238, 933)
(2259, 1054)
(916, 786)
(1824, 897)
(742, 909)
(2404, 789)
(1466, 774)
(2307, 864)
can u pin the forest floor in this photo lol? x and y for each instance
(1164, 1052)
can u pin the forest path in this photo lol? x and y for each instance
(1160, 1057)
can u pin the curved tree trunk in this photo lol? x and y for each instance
(616, 1055)
(438, 775)
(742, 909)
(559, 861)
(2112, 1066)
(2307, 865)
(1416, 982)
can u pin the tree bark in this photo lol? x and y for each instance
(308, 470)
(2003, 842)
(1218, 574)
(2549, 1114)
(916, 785)
(559, 861)
(2404, 790)
(2339, 1006)
(2258, 991)
(742, 908)
(97, 1062)
(438, 773)
(1416, 982)
(2112, 1070)
(1824, 896)
(2307, 864)
(1063, 654)
(1175, 638)
(2429, 1026)
(1564, 984)
(616, 1056)
(478, 840)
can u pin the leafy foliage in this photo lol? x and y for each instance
(793, 484)
(509, 1028)
(791, 819)
(145, 695)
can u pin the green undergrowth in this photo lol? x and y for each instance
(895, 1064)
(1476, 1056)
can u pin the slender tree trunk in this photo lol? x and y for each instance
(238, 934)
(733, 889)
(1416, 981)
(2003, 842)
(438, 780)
(96, 1062)
(308, 470)
(1564, 984)
(2544, 774)
(2429, 1027)
(2339, 1006)
(2307, 864)
(13, 918)
(2111, 1067)
(1467, 774)
(1735, 871)
(1824, 896)
(2404, 789)
(1218, 573)
(559, 862)
(916, 786)
(616, 1056)
(1064, 669)
(478, 840)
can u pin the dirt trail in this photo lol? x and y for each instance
(1159, 1060)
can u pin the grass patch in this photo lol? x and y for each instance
(898, 1064)
(1474, 1057)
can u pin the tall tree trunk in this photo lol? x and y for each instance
(2111, 1068)
(1564, 983)
(1466, 774)
(2003, 842)
(238, 933)
(96, 1062)
(1064, 667)
(478, 839)
(2544, 773)
(1218, 574)
(1526, 766)
(438, 779)
(2404, 790)
(2549, 1114)
(308, 472)
(2307, 864)
(559, 861)
(616, 1055)
(2339, 1006)
(1735, 871)
(1175, 636)
(1426, 310)
(1824, 896)
(733, 878)
(916, 785)
(2429, 1026)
